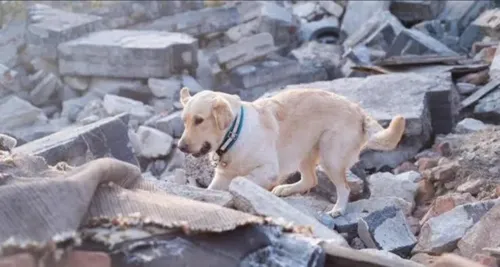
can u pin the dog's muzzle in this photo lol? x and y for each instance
(204, 150)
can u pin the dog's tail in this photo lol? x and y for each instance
(379, 138)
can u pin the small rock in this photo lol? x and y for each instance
(473, 187)
(115, 105)
(425, 191)
(444, 172)
(426, 163)
(78, 83)
(466, 88)
(469, 125)
(405, 167)
(444, 149)
(403, 185)
(16, 112)
(388, 230)
(357, 243)
(199, 168)
(446, 203)
(166, 88)
(440, 234)
(171, 124)
(44, 90)
(154, 143)
(7, 143)
(332, 7)
(192, 84)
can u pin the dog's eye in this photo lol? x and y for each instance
(198, 121)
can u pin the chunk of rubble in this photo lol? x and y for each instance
(411, 11)
(16, 112)
(414, 42)
(357, 12)
(462, 13)
(78, 83)
(484, 234)
(487, 107)
(71, 108)
(426, 102)
(164, 88)
(321, 55)
(172, 124)
(404, 185)
(488, 22)
(77, 145)
(387, 230)
(136, 54)
(103, 85)
(197, 22)
(332, 7)
(153, 143)
(250, 197)
(245, 50)
(446, 203)
(469, 125)
(50, 27)
(45, 89)
(115, 105)
(441, 234)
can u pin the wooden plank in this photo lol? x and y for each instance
(417, 60)
(480, 93)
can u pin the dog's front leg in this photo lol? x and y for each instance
(266, 175)
(220, 181)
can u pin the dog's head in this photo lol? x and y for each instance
(207, 116)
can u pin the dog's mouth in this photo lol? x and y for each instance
(203, 151)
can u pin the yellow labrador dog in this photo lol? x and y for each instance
(271, 138)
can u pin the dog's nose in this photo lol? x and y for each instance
(183, 147)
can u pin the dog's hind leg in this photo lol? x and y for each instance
(308, 178)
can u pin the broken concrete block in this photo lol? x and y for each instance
(101, 86)
(165, 88)
(245, 50)
(50, 27)
(279, 22)
(264, 72)
(72, 107)
(484, 234)
(115, 105)
(414, 42)
(469, 125)
(373, 94)
(487, 107)
(488, 22)
(388, 230)
(16, 112)
(386, 184)
(411, 11)
(171, 124)
(462, 13)
(250, 197)
(7, 143)
(197, 22)
(153, 143)
(191, 83)
(43, 90)
(136, 54)
(380, 29)
(78, 83)
(441, 234)
(357, 12)
(316, 54)
(78, 145)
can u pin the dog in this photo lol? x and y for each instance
(270, 138)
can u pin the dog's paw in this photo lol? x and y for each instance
(283, 190)
(335, 212)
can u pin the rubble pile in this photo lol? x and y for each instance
(92, 79)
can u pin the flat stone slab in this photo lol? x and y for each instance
(387, 95)
(50, 27)
(129, 54)
(77, 145)
(249, 197)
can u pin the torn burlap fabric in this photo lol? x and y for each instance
(40, 202)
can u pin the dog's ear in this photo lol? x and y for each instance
(222, 113)
(185, 96)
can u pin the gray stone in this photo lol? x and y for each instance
(348, 223)
(172, 124)
(200, 169)
(153, 143)
(45, 89)
(7, 143)
(50, 27)
(36, 131)
(136, 54)
(196, 23)
(78, 145)
(250, 197)
(165, 88)
(101, 86)
(92, 108)
(192, 84)
(462, 13)
(494, 71)
(16, 112)
(115, 105)
(472, 186)
(264, 72)
(417, 102)
(279, 22)
(404, 185)
(304, 9)
(320, 55)
(332, 8)
(373, 27)
(442, 30)
(72, 107)
(488, 22)
(357, 12)
(440, 234)
(414, 42)
(411, 11)
(484, 234)
(469, 125)
(245, 50)
(466, 88)
(471, 35)
(388, 230)
(488, 107)
(78, 83)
